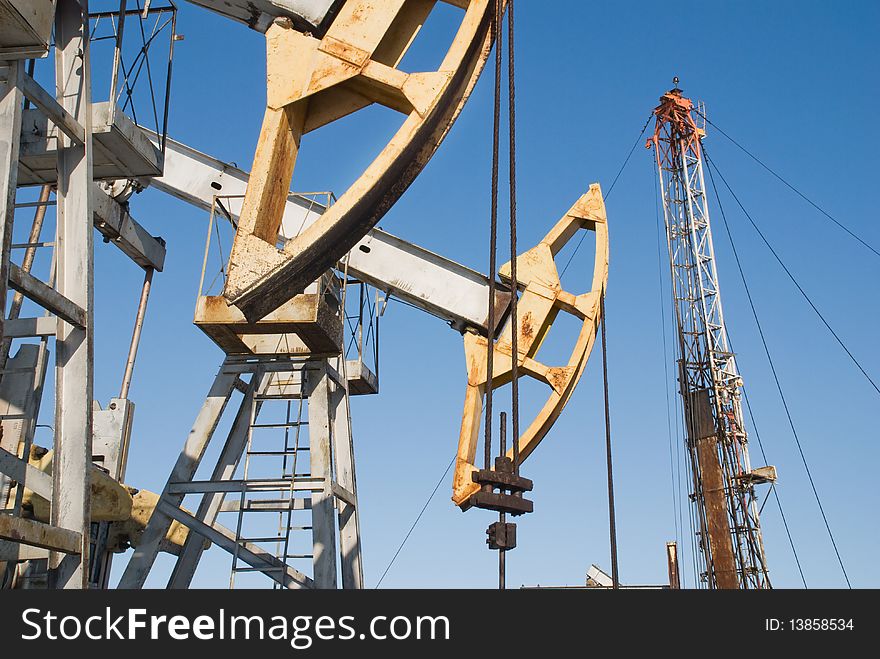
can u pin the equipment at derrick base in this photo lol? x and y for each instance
(723, 484)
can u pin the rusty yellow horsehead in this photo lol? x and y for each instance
(542, 298)
(314, 79)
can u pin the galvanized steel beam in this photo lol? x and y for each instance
(25, 475)
(184, 469)
(211, 503)
(21, 328)
(38, 534)
(57, 114)
(115, 223)
(248, 552)
(47, 297)
(10, 135)
(74, 357)
(431, 282)
(345, 488)
(323, 524)
(307, 15)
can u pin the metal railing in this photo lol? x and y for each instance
(136, 30)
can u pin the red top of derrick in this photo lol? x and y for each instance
(675, 113)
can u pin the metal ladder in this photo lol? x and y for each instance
(238, 484)
(285, 394)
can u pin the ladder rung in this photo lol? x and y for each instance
(299, 484)
(295, 396)
(274, 538)
(259, 569)
(290, 452)
(283, 487)
(292, 424)
(266, 505)
(299, 556)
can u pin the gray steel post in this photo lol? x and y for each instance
(74, 356)
(323, 523)
(10, 136)
(343, 454)
(136, 333)
(184, 469)
(117, 62)
(227, 463)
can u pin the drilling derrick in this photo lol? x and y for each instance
(723, 485)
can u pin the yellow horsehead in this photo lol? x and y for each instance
(541, 300)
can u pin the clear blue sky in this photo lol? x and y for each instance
(794, 81)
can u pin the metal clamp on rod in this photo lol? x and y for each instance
(510, 487)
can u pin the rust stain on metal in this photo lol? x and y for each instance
(558, 378)
(527, 329)
(215, 304)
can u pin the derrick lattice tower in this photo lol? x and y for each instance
(723, 485)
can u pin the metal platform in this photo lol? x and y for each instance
(361, 380)
(122, 149)
(25, 28)
(308, 324)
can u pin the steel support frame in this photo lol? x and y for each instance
(320, 457)
(138, 568)
(21, 391)
(433, 283)
(74, 280)
(332, 484)
(80, 205)
(11, 99)
(211, 503)
(706, 361)
(344, 464)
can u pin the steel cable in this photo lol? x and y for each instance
(770, 358)
(611, 187)
(789, 185)
(493, 233)
(415, 523)
(511, 119)
(788, 272)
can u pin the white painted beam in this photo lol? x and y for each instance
(145, 553)
(10, 139)
(252, 554)
(211, 503)
(323, 524)
(113, 221)
(416, 275)
(47, 297)
(74, 267)
(65, 121)
(38, 534)
(312, 15)
(22, 328)
(26, 475)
